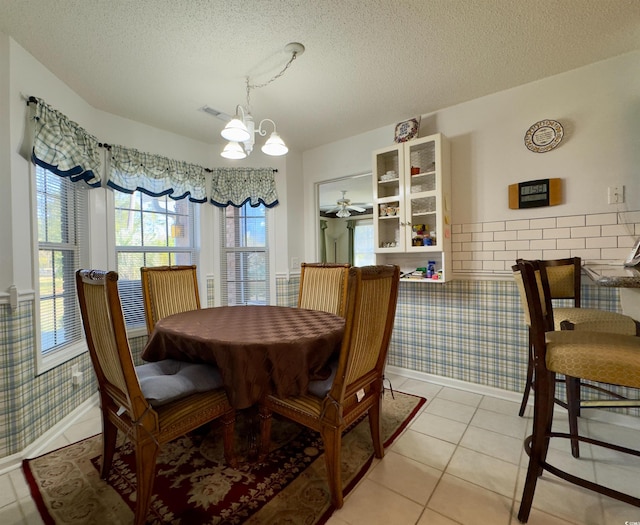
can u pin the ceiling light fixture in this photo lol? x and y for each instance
(240, 130)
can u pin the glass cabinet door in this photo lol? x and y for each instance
(388, 189)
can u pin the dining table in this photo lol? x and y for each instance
(259, 349)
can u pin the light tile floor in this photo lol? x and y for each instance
(461, 460)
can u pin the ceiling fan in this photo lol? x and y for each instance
(343, 207)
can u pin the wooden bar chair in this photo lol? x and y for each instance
(168, 290)
(563, 277)
(355, 387)
(323, 286)
(151, 404)
(612, 359)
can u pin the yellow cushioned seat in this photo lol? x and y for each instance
(602, 357)
(593, 320)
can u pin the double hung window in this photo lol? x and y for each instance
(61, 224)
(150, 231)
(245, 255)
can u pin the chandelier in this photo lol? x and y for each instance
(241, 129)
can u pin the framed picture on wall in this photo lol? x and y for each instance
(634, 256)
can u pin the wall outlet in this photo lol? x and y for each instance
(76, 375)
(615, 194)
(295, 263)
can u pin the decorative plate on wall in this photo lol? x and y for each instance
(407, 130)
(543, 136)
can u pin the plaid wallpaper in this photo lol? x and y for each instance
(468, 330)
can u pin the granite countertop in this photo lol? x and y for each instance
(614, 276)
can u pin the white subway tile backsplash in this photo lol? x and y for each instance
(505, 236)
(493, 226)
(496, 246)
(482, 236)
(571, 244)
(462, 256)
(618, 229)
(471, 228)
(556, 254)
(530, 254)
(588, 255)
(543, 223)
(556, 233)
(472, 265)
(471, 246)
(571, 221)
(586, 231)
(626, 242)
(517, 225)
(529, 234)
(614, 253)
(493, 265)
(517, 245)
(483, 256)
(545, 244)
(601, 218)
(506, 255)
(602, 242)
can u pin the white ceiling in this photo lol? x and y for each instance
(368, 63)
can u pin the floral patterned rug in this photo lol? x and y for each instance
(193, 484)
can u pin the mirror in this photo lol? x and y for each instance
(345, 222)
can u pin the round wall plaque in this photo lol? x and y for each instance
(543, 136)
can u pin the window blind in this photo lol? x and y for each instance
(62, 219)
(245, 255)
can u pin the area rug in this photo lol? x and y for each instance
(194, 485)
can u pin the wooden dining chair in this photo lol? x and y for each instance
(168, 290)
(356, 388)
(323, 286)
(606, 358)
(151, 404)
(563, 276)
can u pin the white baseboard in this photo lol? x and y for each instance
(595, 414)
(42, 443)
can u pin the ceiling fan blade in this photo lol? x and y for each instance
(356, 208)
(332, 209)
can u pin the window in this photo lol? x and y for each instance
(363, 254)
(150, 231)
(61, 219)
(245, 255)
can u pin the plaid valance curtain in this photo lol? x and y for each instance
(130, 170)
(66, 149)
(236, 186)
(63, 147)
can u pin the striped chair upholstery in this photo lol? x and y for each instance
(596, 356)
(168, 290)
(357, 387)
(323, 286)
(122, 403)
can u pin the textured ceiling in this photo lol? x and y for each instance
(368, 63)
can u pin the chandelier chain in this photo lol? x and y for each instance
(258, 86)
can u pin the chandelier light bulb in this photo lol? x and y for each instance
(275, 146)
(235, 131)
(233, 150)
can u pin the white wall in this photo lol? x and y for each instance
(598, 106)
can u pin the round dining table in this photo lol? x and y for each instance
(258, 349)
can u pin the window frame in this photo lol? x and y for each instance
(220, 265)
(194, 222)
(65, 352)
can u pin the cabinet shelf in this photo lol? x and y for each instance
(421, 202)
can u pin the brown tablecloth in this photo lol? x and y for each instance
(257, 348)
